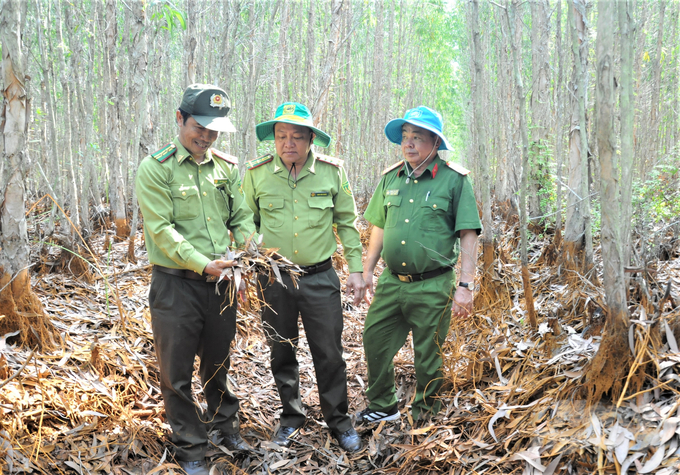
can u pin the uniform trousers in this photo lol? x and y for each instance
(421, 307)
(188, 319)
(317, 302)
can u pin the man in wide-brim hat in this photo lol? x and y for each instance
(297, 196)
(421, 209)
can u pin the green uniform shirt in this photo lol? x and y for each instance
(422, 219)
(189, 209)
(298, 217)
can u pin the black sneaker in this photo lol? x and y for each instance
(369, 415)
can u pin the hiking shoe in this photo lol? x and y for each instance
(369, 415)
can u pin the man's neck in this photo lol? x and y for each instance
(299, 164)
(420, 167)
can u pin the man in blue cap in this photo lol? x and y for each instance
(297, 196)
(421, 209)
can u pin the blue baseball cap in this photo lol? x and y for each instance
(421, 116)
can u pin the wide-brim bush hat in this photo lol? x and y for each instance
(209, 105)
(421, 116)
(292, 113)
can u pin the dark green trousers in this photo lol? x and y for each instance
(398, 308)
(317, 301)
(187, 320)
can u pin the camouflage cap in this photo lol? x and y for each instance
(209, 105)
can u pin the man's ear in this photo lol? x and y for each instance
(179, 119)
(311, 140)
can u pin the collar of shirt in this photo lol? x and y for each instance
(433, 167)
(308, 167)
(182, 153)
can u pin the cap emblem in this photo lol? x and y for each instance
(289, 109)
(415, 114)
(218, 100)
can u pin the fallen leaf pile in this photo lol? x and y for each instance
(511, 403)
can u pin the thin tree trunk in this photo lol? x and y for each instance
(627, 104)
(319, 105)
(608, 368)
(519, 90)
(482, 158)
(20, 307)
(559, 128)
(656, 89)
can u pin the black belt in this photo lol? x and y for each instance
(186, 274)
(316, 268)
(423, 276)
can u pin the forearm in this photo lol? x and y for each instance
(375, 245)
(468, 257)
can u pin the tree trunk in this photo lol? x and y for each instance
(626, 104)
(559, 127)
(116, 184)
(521, 101)
(577, 225)
(656, 90)
(540, 104)
(319, 105)
(20, 307)
(607, 370)
(487, 285)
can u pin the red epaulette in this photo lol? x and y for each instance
(400, 163)
(259, 161)
(454, 166)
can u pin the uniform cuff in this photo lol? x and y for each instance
(197, 262)
(355, 266)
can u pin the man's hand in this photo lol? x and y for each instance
(462, 302)
(217, 266)
(355, 283)
(242, 290)
(370, 291)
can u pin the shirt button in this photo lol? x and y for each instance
(389, 203)
(295, 234)
(410, 201)
(406, 220)
(184, 193)
(270, 205)
(415, 181)
(205, 194)
(296, 217)
(295, 186)
(296, 251)
(434, 206)
(199, 171)
(403, 242)
(208, 218)
(403, 264)
(295, 201)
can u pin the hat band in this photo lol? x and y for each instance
(294, 118)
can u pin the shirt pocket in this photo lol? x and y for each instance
(186, 203)
(392, 210)
(222, 199)
(272, 212)
(435, 212)
(320, 211)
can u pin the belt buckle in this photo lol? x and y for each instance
(211, 278)
(405, 278)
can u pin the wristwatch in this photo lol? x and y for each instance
(468, 285)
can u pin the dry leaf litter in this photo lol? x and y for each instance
(512, 403)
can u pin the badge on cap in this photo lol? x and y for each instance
(289, 109)
(218, 100)
(415, 114)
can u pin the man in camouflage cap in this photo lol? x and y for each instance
(297, 196)
(190, 197)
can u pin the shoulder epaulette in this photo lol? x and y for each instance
(165, 153)
(392, 167)
(259, 161)
(227, 158)
(460, 169)
(327, 159)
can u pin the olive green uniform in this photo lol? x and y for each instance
(422, 220)
(297, 217)
(188, 212)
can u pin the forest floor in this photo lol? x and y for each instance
(512, 401)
